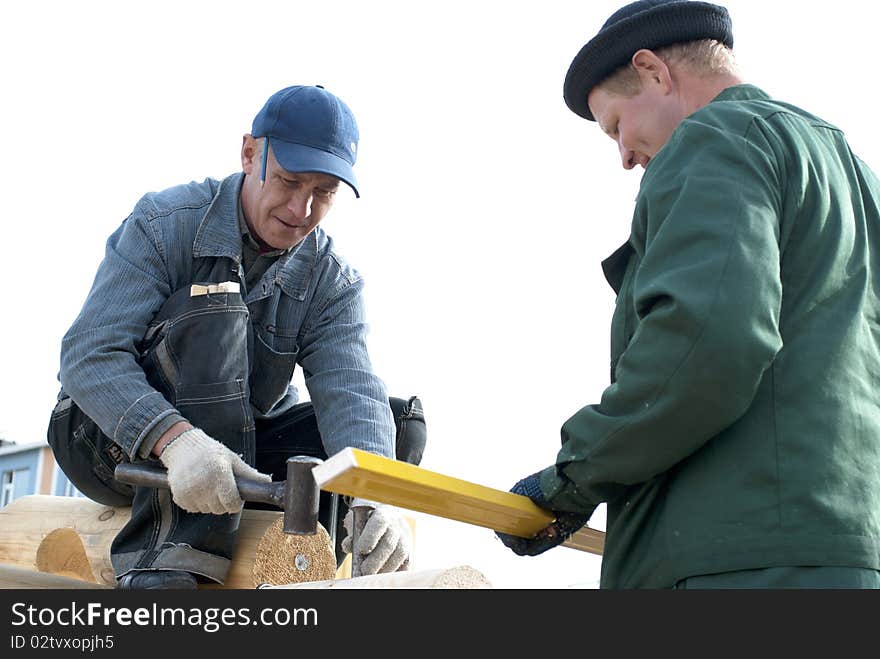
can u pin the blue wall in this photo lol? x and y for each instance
(61, 482)
(22, 460)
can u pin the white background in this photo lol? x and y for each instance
(486, 205)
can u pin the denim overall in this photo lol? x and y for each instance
(199, 352)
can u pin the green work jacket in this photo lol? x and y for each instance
(742, 426)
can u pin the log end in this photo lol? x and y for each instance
(283, 558)
(62, 552)
(462, 576)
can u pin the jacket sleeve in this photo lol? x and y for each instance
(350, 401)
(707, 296)
(99, 368)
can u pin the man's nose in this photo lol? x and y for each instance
(627, 157)
(300, 204)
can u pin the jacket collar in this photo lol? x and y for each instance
(293, 271)
(615, 265)
(743, 92)
(219, 235)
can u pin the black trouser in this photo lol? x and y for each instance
(196, 354)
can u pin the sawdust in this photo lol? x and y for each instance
(283, 558)
(462, 576)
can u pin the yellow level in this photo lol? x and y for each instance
(357, 473)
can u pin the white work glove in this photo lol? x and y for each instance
(385, 544)
(202, 471)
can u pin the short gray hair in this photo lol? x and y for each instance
(703, 57)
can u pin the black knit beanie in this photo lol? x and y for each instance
(650, 24)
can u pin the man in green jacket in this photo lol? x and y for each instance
(739, 442)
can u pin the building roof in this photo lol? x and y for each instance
(8, 448)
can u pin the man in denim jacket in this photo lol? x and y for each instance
(207, 298)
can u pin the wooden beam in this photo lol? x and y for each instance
(457, 577)
(357, 473)
(70, 537)
(13, 576)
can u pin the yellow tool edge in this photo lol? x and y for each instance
(357, 473)
(384, 475)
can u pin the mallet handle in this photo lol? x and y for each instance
(249, 490)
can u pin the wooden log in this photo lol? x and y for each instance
(60, 535)
(12, 576)
(460, 577)
(279, 556)
(71, 537)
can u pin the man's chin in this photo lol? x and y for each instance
(290, 240)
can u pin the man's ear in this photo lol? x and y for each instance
(249, 153)
(652, 69)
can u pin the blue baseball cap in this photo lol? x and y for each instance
(310, 130)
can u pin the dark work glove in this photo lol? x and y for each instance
(560, 530)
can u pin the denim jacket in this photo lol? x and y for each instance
(307, 309)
